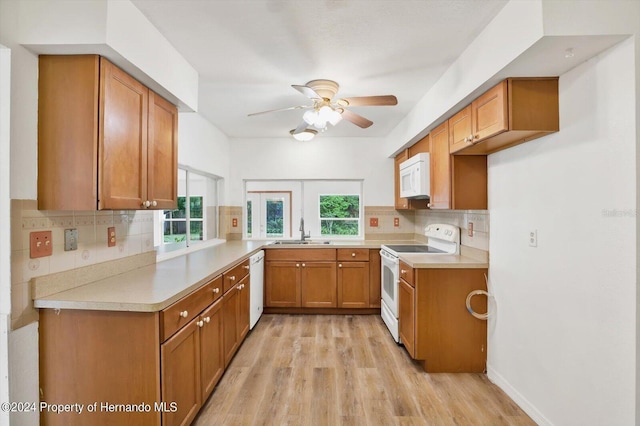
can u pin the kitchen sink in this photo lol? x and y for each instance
(294, 242)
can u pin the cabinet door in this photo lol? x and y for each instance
(489, 113)
(162, 161)
(243, 308)
(318, 285)
(440, 170)
(122, 140)
(211, 348)
(375, 278)
(282, 284)
(353, 285)
(400, 203)
(406, 316)
(460, 130)
(180, 358)
(230, 310)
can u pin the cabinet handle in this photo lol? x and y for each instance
(200, 323)
(470, 138)
(402, 272)
(353, 255)
(297, 265)
(216, 290)
(303, 265)
(339, 265)
(154, 203)
(232, 278)
(240, 287)
(207, 320)
(146, 203)
(184, 314)
(245, 266)
(477, 136)
(428, 205)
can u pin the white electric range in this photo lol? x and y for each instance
(442, 239)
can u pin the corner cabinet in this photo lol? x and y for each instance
(434, 324)
(118, 138)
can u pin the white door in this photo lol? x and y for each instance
(268, 215)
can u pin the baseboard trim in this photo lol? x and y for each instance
(517, 397)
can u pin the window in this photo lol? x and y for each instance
(195, 218)
(268, 214)
(331, 209)
(339, 215)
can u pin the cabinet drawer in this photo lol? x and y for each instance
(235, 274)
(301, 254)
(346, 255)
(184, 310)
(407, 273)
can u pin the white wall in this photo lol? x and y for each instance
(5, 222)
(563, 342)
(320, 158)
(203, 147)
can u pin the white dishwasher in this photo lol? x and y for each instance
(256, 270)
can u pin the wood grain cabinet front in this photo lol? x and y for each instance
(353, 284)
(118, 137)
(434, 323)
(296, 278)
(235, 314)
(514, 111)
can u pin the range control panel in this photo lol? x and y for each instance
(444, 232)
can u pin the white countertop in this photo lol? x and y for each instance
(154, 287)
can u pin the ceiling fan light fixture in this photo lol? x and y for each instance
(304, 136)
(310, 117)
(335, 117)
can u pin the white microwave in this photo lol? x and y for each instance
(414, 177)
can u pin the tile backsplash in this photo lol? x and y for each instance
(410, 224)
(134, 235)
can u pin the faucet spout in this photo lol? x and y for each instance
(302, 234)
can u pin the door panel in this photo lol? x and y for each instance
(319, 285)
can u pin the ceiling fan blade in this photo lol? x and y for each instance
(356, 119)
(281, 109)
(369, 100)
(301, 128)
(307, 91)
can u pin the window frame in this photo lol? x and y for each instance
(356, 219)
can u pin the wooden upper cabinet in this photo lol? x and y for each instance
(514, 111)
(162, 153)
(489, 115)
(460, 130)
(400, 203)
(105, 141)
(122, 146)
(440, 168)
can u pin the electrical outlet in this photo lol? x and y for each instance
(70, 239)
(533, 238)
(40, 244)
(396, 222)
(470, 229)
(111, 236)
(234, 222)
(373, 222)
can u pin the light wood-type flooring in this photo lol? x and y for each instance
(345, 370)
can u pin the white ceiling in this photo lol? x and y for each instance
(249, 52)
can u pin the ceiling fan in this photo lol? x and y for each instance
(326, 108)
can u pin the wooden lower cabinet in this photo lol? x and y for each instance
(446, 337)
(180, 357)
(318, 285)
(353, 284)
(211, 345)
(282, 285)
(406, 316)
(235, 314)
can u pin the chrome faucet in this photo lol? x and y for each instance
(302, 234)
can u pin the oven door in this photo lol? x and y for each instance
(390, 276)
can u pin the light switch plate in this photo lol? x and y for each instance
(70, 239)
